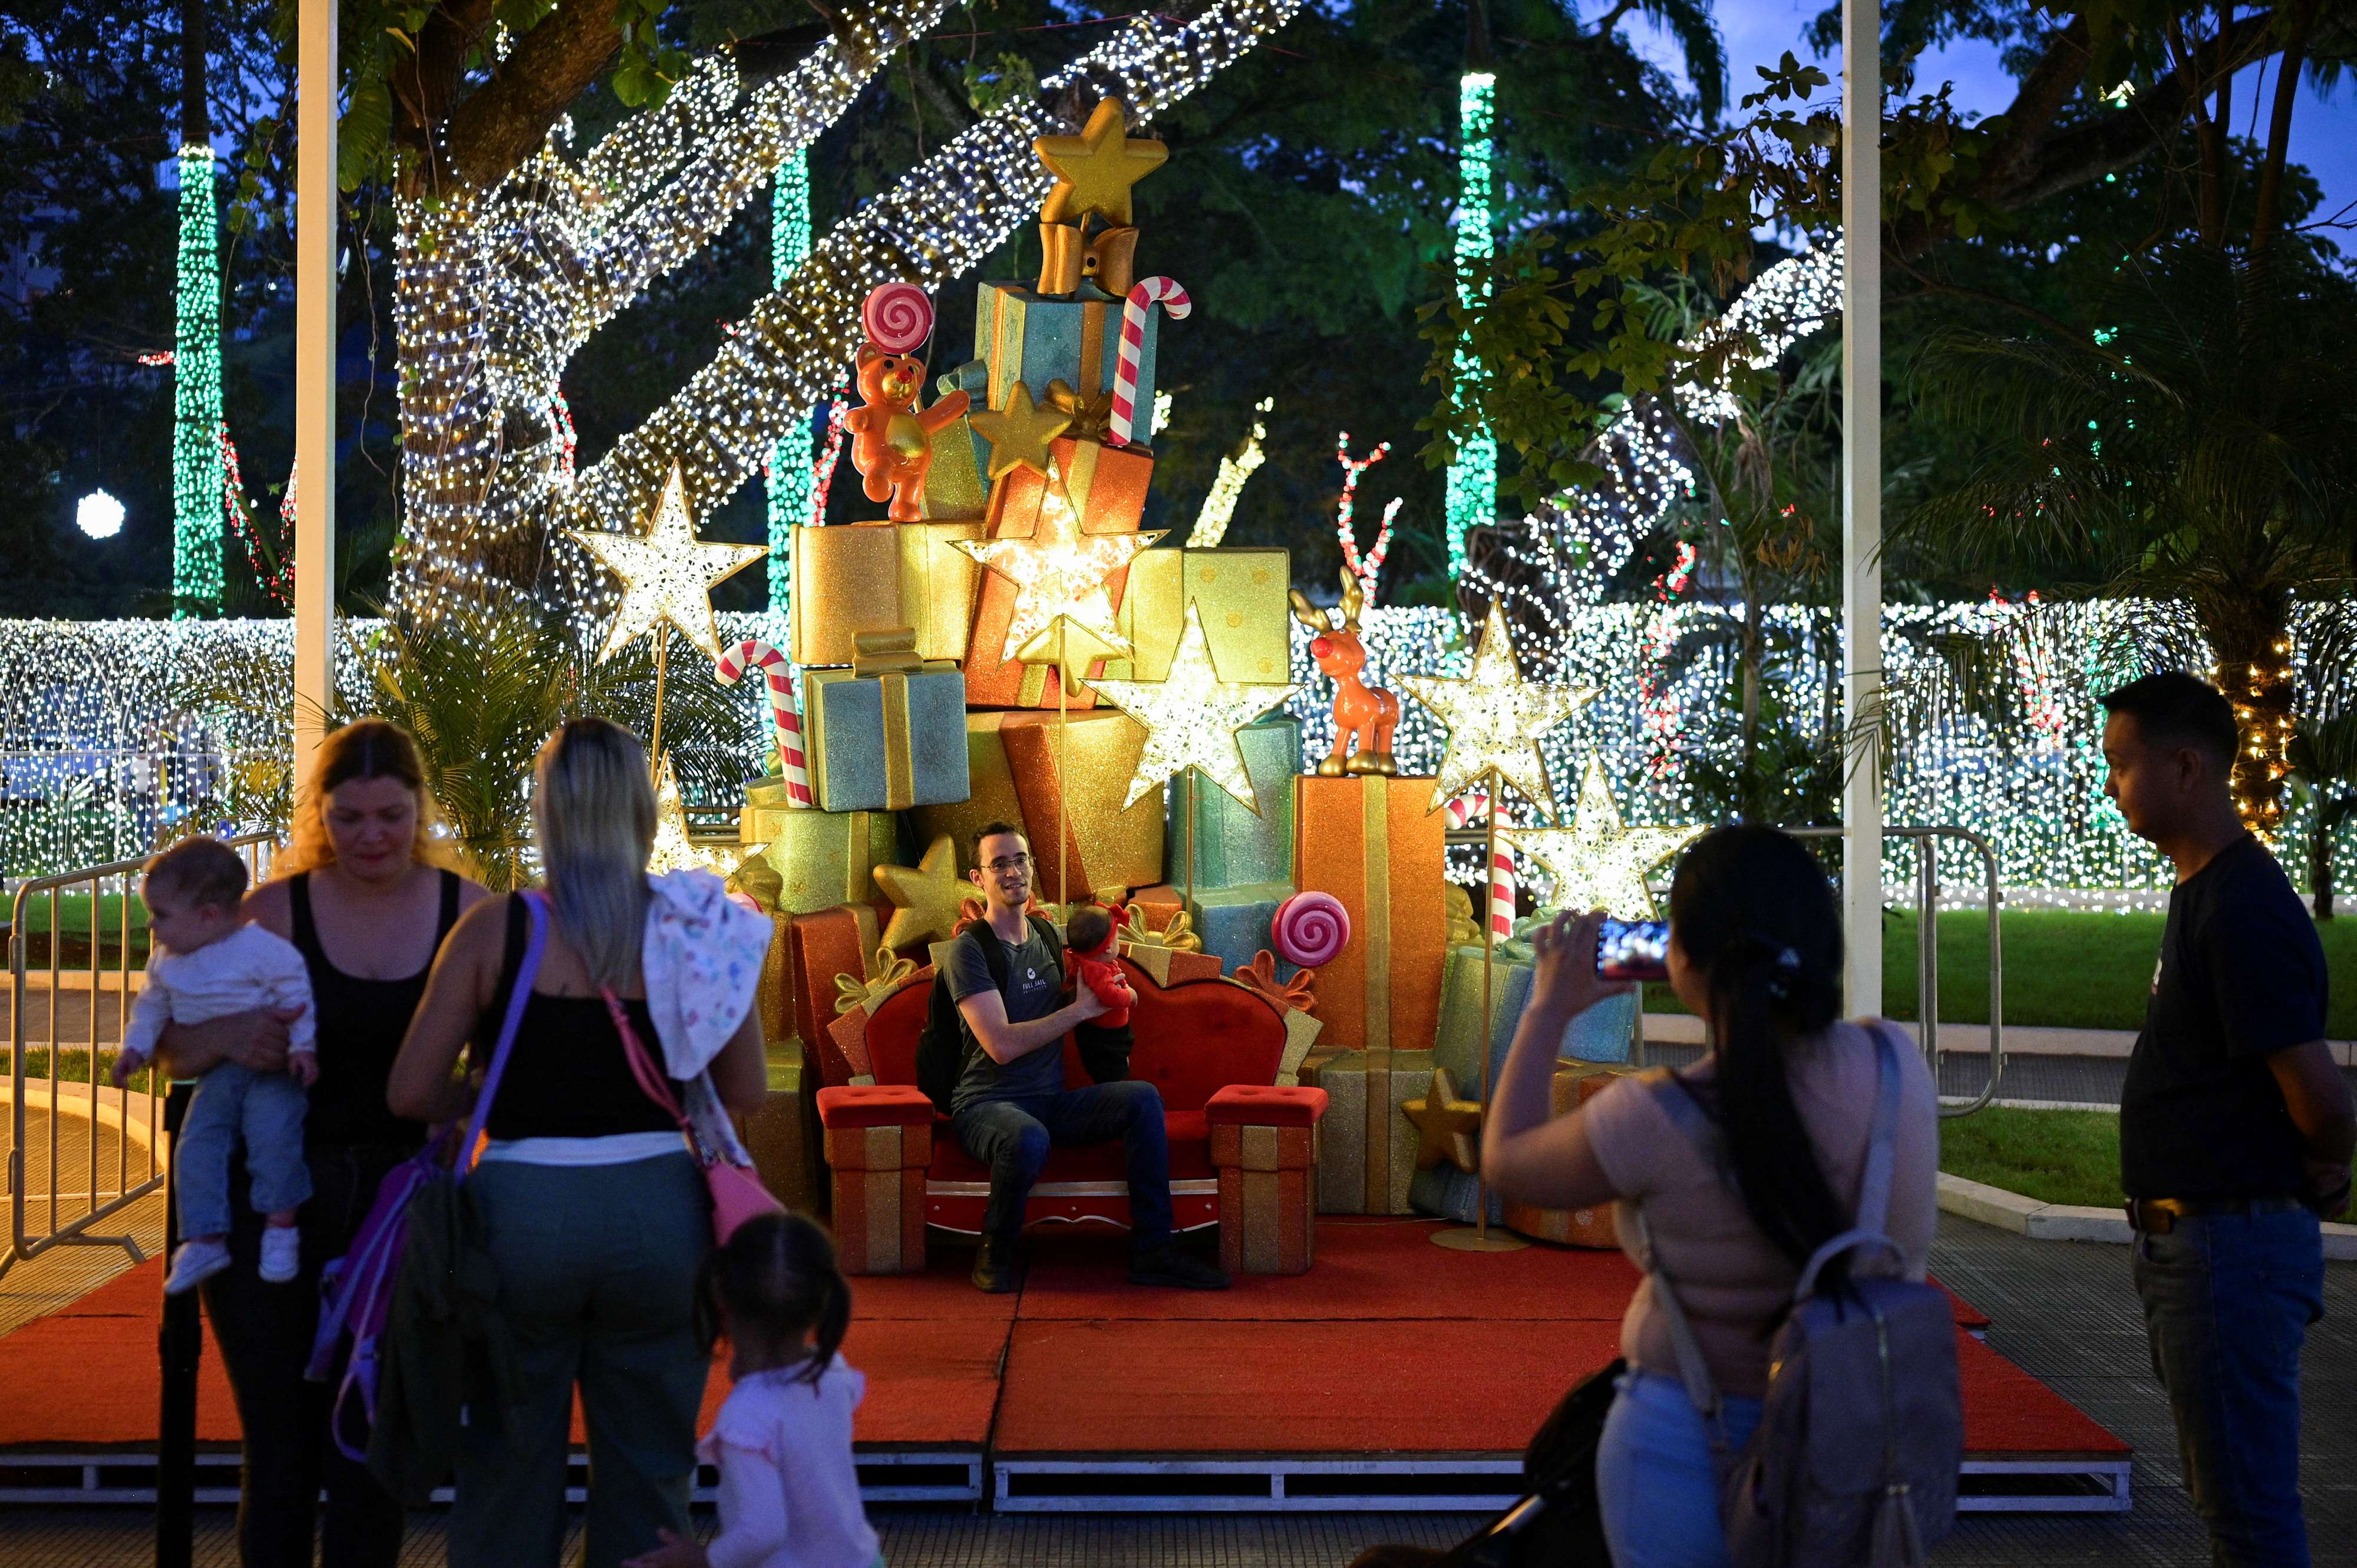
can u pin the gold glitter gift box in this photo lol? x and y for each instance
(874, 577)
(1012, 759)
(1366, 1144)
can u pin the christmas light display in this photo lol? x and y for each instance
(99, 515)
(1564, 555)
(1495, 720)
(674, 849)
(1059, 572)
(667, 575)
(792, 481)
(1191, 718)
(1471, 493)
(1597, 862)
(277, 581)
(1228, 484)
(1369, 571)
(197, 395)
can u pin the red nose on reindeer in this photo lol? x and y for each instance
(1321, 649)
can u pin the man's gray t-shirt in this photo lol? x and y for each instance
(1032, 991)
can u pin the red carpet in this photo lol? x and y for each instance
(1389, 1345)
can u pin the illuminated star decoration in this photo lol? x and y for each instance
(673, 849)
(668, 575)
(1599, 864)
(1446, 1126)
(925, 898)
(1057, 571)
(1495, 719)
(1096, 169)
(1191, 717)
(1019, 432)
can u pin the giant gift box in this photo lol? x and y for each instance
(1371, 844)
(1233, 844)
(877, 576)
(1366, 1148)
(1575, 1085)
(783, 1132)
(820, 859)
(1076, 340)
(1013, 758)
(884, 738)
(1106, 484)
(1239, 596)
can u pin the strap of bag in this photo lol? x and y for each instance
(1692, 1370)
(519, 998)
(1882, 1162)
(642, 1067)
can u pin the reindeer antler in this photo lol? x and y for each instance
(1307, 614)
(1354, 598)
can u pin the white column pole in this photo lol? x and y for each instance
(315, 377)
(1861, 191)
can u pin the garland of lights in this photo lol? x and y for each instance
(792, 481)
(197, 494)
(1566, 553)
(1471, 493)
(1371, 570)
(1228, 484)
(1658, 704)
(277, 581)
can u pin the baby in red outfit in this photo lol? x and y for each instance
(1088, 935)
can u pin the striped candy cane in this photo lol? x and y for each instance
(1149, 293)
(754, 653)
(1469, 807)
(1502, 893)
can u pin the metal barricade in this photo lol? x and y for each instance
(57, 912)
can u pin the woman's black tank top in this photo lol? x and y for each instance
(567, 1075)
(360, 1025)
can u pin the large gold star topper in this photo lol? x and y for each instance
(925, 898)
(1056, 570)
(667, 574)
(673, 849)
(1446, 1126)
(1096, 169)
(1019, 432)
(1495, 719)
(1191, 717)
(1597, 863)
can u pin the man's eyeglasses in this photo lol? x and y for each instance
(1007, 863)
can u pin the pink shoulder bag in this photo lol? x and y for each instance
(737, 1194)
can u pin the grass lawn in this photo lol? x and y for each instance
(73, 1066)
(2054, 1156)
(2063, 969)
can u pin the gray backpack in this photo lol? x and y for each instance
(1856, 1456)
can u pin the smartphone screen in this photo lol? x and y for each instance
(1633, 949)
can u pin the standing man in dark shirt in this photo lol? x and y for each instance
(1011, 1105)
(2235, 1126)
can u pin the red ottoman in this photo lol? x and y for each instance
(1264, 1146)
(879, 1139)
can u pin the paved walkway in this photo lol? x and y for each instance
(2064, 1311)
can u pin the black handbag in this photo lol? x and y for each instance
(1557, 1524)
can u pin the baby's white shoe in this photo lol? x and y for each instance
(193, 1262)
(282, 1254)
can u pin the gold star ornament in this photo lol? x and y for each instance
(1019, 432)
(925, 898)
(1191, 718)
(667, 574)
(1597, 863)
(1096, 169)
(1058, 571)
(1446, 1126)
(674, 849)
(1495, 719)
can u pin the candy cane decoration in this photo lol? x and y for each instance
(1468, 806)
(755, 654)
(1150, 292)
(1502, 893)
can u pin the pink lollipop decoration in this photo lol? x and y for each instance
(1310, 928)
(898, 316)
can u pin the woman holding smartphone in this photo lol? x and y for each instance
(1755, 951)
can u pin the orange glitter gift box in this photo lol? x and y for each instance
(1573, 1087)
(1371, 844)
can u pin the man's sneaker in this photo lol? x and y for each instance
(193, 1262)
(996, 1266)
(282, 1254)
(1171, 1266)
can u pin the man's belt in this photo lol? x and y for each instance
(2158, 1216)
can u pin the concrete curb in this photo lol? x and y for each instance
(2073, 1222)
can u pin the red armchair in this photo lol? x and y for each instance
(1193, 1040)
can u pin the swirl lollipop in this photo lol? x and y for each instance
(898, 316)
(1310, 928)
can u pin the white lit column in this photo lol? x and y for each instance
(1861, 190)
(315, 376)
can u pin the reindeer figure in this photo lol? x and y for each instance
(1364, 716)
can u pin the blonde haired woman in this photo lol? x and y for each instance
(361, 893)
(592, 1210)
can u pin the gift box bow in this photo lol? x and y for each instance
(864, 994)
(891, 653)
(1091, 417)
(1177, 933)
(1298, 995)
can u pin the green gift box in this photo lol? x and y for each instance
(1366, 1144)
(1233, 844)
(1022, 336)
(1234, 922)
(888, 741)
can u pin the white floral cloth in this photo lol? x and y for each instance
(702, 955)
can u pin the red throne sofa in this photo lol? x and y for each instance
(1193, 1040)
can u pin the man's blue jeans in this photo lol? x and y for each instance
(2227, 1302)
(1012, 1137)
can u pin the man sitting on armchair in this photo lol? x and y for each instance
(1011, 1103)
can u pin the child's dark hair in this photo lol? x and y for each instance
(779, 1271)
(1090, 924)
(204, 871)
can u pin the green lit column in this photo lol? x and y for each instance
(1472, 489)
(196, 397)
(790, 481)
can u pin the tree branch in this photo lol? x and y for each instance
(498, 126)
(2267, 216)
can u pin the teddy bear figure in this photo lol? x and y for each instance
(892, 440)
(1088, 934)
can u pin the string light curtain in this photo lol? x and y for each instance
(197, 478)
(791, 479)
(1470, 497)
